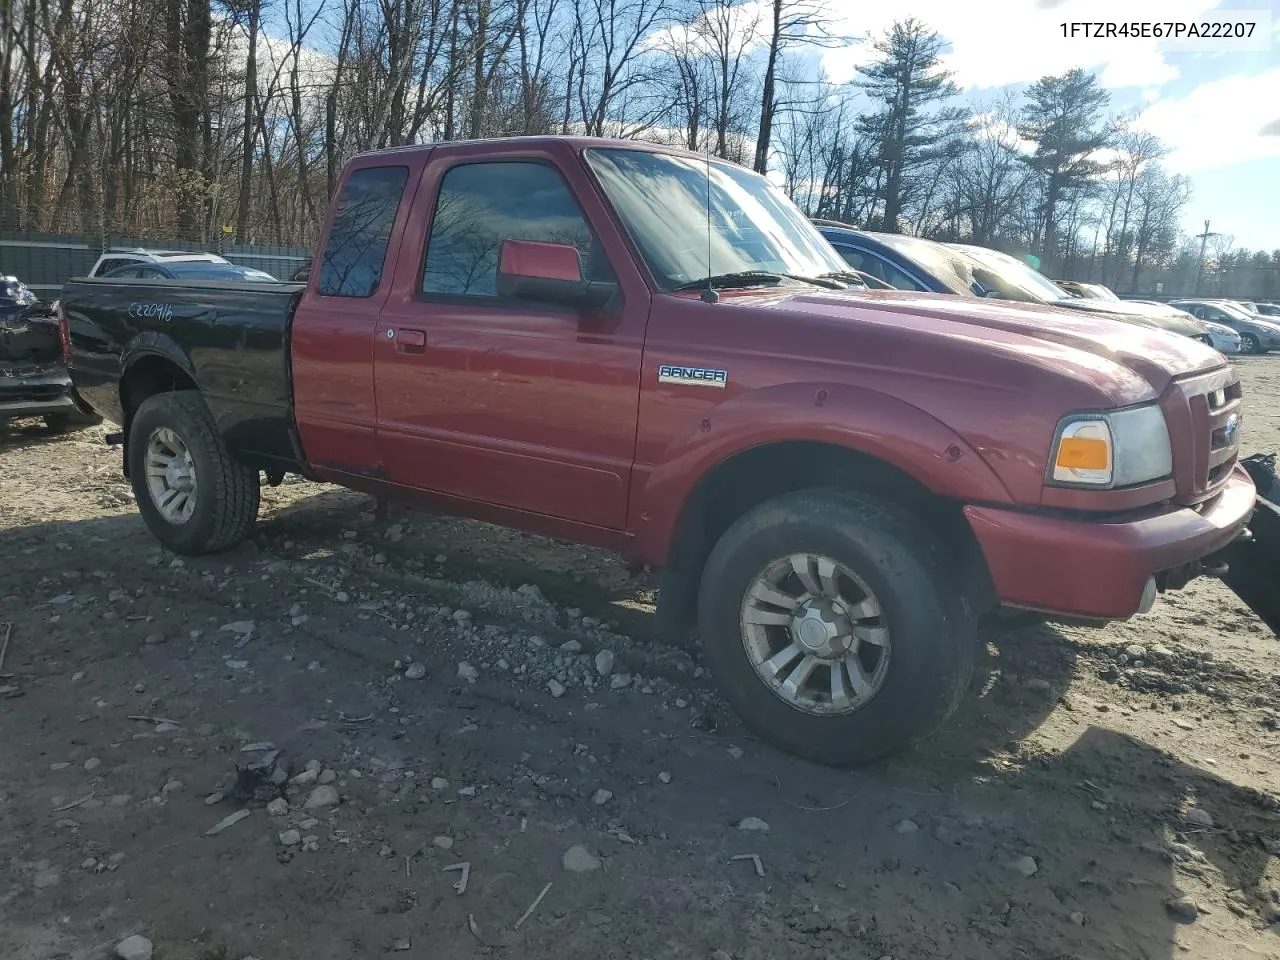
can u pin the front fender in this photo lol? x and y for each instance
(856, 418)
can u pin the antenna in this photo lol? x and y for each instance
(709, 295)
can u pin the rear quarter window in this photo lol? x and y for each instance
(356, 248)
(113, 263)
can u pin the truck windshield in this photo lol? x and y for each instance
(662, 201)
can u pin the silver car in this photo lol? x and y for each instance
(1257, 335)
(1223, 338)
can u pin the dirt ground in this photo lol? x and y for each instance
(1103, 793)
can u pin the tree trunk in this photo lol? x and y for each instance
(250, 127)
(767, 104)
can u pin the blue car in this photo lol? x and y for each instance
(905, 263)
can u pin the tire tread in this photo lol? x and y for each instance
(234, 488)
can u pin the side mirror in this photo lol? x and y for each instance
(548, 273)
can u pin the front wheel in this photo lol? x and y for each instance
(1249, 343)
(833, 627)
(193, 496)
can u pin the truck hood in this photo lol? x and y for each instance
(1079, 343)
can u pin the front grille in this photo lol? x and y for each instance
(1204, 415)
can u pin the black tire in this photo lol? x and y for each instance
(226, 500)
(931, 625)
(1249, 343)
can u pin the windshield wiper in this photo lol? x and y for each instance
(754, 278)
(858, 277)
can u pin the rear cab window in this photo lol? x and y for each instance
(355, 251)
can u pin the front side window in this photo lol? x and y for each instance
(878, 267)
(356, 248)
(749, 225)
(482, 204)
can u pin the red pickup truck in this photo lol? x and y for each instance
(630, 346)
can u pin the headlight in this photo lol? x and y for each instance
(1117, 449)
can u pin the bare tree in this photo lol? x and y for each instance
(790, 24)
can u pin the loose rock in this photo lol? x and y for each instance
(278, 807)
(664, 777)
(467, 672)
(1199, 817)
(619, 681)
(136, 947)
(1026, 866)
(290, 838)
(602, 797)
(557, 688)
(906, 826)
(415, 671)
(228, 821)
(444, 843)
(578, 859)
(324, 795)
(604, 662)
(571, 646)
(753, 824)
(1182, 909)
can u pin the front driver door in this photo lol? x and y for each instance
(517, 404)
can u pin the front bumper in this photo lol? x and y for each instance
(1100, 570)
(34, 390)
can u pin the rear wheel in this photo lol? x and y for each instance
(193, 496)
(834, 628)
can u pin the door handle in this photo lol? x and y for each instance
(410, 341)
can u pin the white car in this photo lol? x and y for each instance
(139, 257)
(1225, 340)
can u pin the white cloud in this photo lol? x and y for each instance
(1219, 123)
(1019, 41)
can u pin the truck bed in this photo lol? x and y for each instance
(230, 338)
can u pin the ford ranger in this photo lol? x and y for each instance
(629, 346)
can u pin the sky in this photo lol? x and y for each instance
(1218, 111)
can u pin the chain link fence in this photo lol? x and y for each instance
(45, 261)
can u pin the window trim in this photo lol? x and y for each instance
(615, 306)
(399, 209)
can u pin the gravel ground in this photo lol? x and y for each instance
(362, 703)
